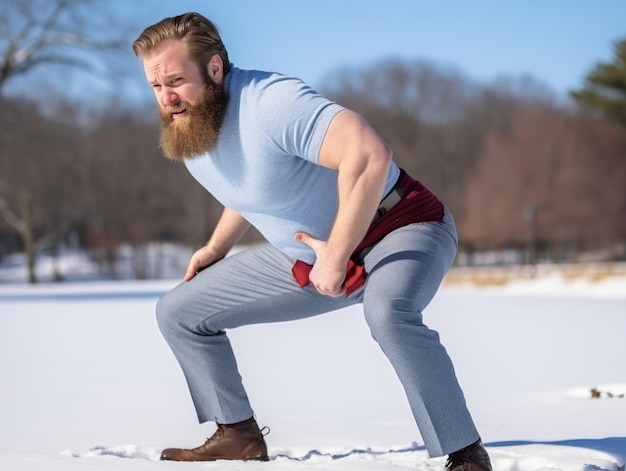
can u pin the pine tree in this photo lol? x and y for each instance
(605, 87)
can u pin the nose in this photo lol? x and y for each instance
(168, 97)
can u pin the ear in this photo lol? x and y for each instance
(215, 69)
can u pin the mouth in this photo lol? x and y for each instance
(179, 113)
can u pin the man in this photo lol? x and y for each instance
(344, 225)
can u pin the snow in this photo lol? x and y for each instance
(89, 384)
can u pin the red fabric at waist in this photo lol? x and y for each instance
(419, 204)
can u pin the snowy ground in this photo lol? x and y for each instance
(89, 384)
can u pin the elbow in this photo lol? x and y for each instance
(387, 153)
(382, 154)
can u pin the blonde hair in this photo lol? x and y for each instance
(199, 36)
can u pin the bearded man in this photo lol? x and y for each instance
(344, 225)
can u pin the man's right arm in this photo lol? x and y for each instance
(229, 229)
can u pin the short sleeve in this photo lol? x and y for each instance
(293, 116)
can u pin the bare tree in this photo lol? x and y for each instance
(137, 196)
(34, 34)
(435, 119)
(549, 185)
(508, 158)
(37, 179)
(37, 33)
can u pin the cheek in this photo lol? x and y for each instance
(192, 94)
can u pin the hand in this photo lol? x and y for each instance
(327, 277)
(201, 259)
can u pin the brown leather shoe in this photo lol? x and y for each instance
(240, 441)
(471, 458)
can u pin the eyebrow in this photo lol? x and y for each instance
(162, 77)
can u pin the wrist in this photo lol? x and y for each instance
(216, 251)
(337, 256)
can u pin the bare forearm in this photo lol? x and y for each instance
(360, 186)
(229, 229)
(362, 160)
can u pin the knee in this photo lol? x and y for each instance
(166, 315)
(178, 315)
(386, 317)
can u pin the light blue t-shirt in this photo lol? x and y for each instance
(264, 164)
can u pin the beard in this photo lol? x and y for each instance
(197, 132)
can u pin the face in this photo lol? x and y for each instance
(191, 102)
(173, 76)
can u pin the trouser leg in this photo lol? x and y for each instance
(405, 270)
(251, 287)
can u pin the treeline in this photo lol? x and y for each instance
(526, 174)
(98, 183)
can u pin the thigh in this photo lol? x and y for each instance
(251, 287)
(408, 265)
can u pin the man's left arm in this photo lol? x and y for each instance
(362, 160)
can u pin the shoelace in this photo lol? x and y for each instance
(218, 433)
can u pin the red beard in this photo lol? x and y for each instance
(198, 131)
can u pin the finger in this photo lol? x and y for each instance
(192, 270)
(338, 292)
(306, 239)
(189, 274)
(332, 292)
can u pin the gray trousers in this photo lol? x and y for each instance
(256, 286)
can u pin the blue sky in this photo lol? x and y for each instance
(556, 41)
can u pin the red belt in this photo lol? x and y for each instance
(408, 202)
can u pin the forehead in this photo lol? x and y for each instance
(169, 58)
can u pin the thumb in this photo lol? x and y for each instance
(306, 239)
(192, 269)
(191, 272)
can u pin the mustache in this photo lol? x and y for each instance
(167, 114)
(199, 130)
